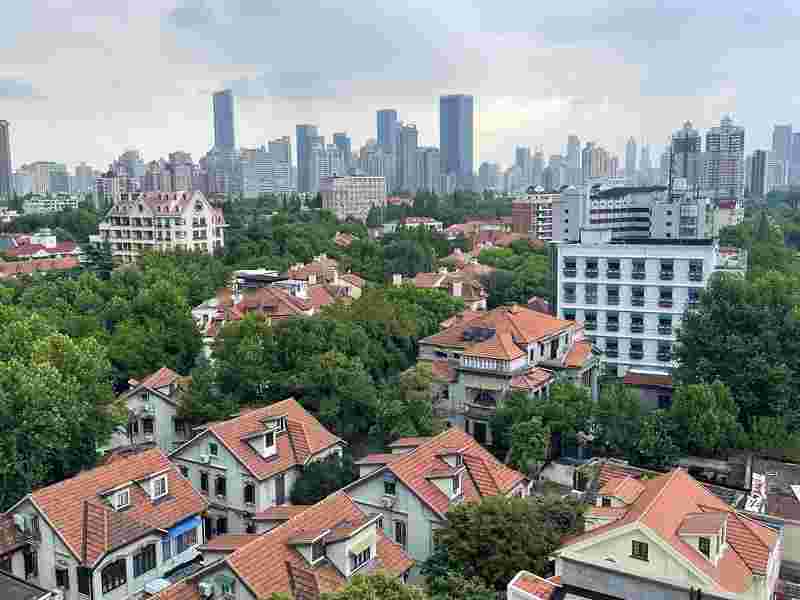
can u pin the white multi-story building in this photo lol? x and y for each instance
(532, 214)
(352, 196)
(50, 203)
(631, 296)
(146, 221)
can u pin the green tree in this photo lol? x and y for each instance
(618, 418)
(99, 259)
(375, 586)
(568, 411)
(704, 418)
(529, 442)
(319, 479)
(454, 586)
(515, 408)
(374, 217)
(656, 447)
(773, 436)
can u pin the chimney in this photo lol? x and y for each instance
(397, 280)
(457, 288)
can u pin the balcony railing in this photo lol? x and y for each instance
(590, 325)
(612, 326)
(569, 297)
(637, 327)
(592, 273)
(637, 301)
(666, 275)
(665, 329)
(664, 356)
(570, 272)
(636, 354)
(612, 353)
(613, 274)
(638, 275)
(613, 300)
(695, 276)
(664, 303)
(591, 299)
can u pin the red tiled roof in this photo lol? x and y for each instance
(305, 437)
(354, 280)
(183, 590)
(408, 442)
(703, 523)
(273, 549)
(647, 379)
(378, 459)
(613, 470)
(578, 355)
(26, 267)
(32, 249)
(428, 280)
(500, 346)
(537, 586)
(280, 513)
(228, 542)
(273, 302)
(86, 522)
(490, 476)
(663, 506)
(606, 512)
(532, 380)
(442, 370)
(320, 268)
(626, 489)
(458, 319)
(319, 295)
(161, 378)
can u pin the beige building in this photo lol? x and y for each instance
(157, 221)
(352, 197)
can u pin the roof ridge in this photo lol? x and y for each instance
(749, 523)
(671, 478)
(487, 469)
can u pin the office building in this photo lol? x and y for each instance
(537, 168)
(352, 197)
(488, 177)
(724, 164)
(756, 174)
(686, 152)
(6, 180)
(555, 174)
(630, 158)
(343, 143)
(574, 175)
(157, 177)
(782, 151)
(256, 172)
(407, 158)
(428, 170)
(794, 166)
(456, 130)
(644, 176)
(223, 171)
(631, 297)
(613, 166)
(280, 151)
(586, 161)
(532, 214)
(388, 127)
(374, 161)
(182, 171)
(305, 136)
(224, 120)
(84, 179)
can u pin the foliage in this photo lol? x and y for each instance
(704, 418)
(497, 537)
(520, 272)
(656, 447)
(529, 442)
(515, 408)
(376, 585)
(773, 436)
(618, 419)
(321, 478)
(567, 411)
(73, 225)
(454, 586)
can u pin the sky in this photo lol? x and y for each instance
(84, 80)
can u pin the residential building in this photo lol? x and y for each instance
(6, 180)
(532, 214)
(782, 152)
(489, 176)
(153, 404)
(43, 265)
(669, 537)
(631, 296)
(315, 550)
(41, 245)
(426, 222)
(110, 532)
(428, 170)
(630, 158)
(352, 197)
(414, 485)
(555, 174)
(408, 138)
(574, 174)
(344, 145)
(50, 203)
(250, 463)
(375, 161)
(486, 356)
(456, 130)
(724, 163)
(458, 284)
(522, 160)
(305, 136)
(224, 120)
(527, 586)
(139, 222)
(686, 150)
(17, 588)
(756, 181)
(182, 171)
(388, 126)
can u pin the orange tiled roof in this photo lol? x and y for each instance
(273, 549)
(663, 506)
(536, 586)
(428, 280)
(90, 527)
(163, 377)
(320, 267)
(578, 355)
(228, 542)
(533, 379)
(458, 319)
(183, 590)
(280, 513)
(524, 326)
(650, 379)
(500, 346)
(378, 459)
(626, 489)
(487, 475)
(606, 512)
(409, 442)
(319, 295)
(26, 267)
(703, 523)
(442, 370)
(305, 437)
(273, 302)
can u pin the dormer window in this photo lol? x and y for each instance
(457, 485)
(359, 560)
(159, 487)
(122, 499)
(704, 545)
(269, 443)
(459, 460)
(317, 551)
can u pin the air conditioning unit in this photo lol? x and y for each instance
(206, 589)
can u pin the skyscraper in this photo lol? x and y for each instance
(84, 178)
(724, 165)
(280, 150)
(586, 162)
(537, 168)
(756, 183)
(522, 160)
(428, 170)
(794, 165)
(630, 159)
(6, 187)
(342, 142)
(782, 151)
(456, 130)
(305, 134)
(387, 129)
(573, 161)
(686, 154)
(224, 136)
(407, 158)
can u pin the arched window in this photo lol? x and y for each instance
(249, 493)
(114, 575)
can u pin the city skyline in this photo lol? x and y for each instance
(192, 48)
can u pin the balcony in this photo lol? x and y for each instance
(666, 275)
(590, 325)
(665, 303)
(592, 273)
(613, 300)
(591, 299)
(569, 298)
(570, 272)
(613, 274)
(638, 274)
(664, 356)
(612, 353)
(636, 354)
(637, 327)
(665, 329)
(612, 326)
(695, 276)
(637, 301)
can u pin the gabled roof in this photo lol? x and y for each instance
(26, 267)
(579, 354)
(441, 370)
(500, 346)
(273, 302)
(647, 379)
(532, 380)
(703, 523)
(228, 542)
(487, 475)
(84, 519)
(378, 459)
(460, 318)
(663, 506)
(161, 378)
(409, 442)
(305, 436)
(280, 513)
(626, 489)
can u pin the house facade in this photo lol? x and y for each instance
(109, 533)
(248, 464)
(458, 284)
(668, 537)
(484, 356)
(414, 485)
(316, 551)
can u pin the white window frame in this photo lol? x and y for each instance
(118, 504)
(155, 484)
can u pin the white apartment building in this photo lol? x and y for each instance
(352, 196)
(50, 203)
(631, 296)
(147, 221)
(532, 214)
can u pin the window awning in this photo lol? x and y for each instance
(183, 526)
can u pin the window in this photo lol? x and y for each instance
(636, 349)
(249, 493)
(637, 323)
(704, 544)
(204, 482)
(222, 526)
(459, 460)
(122, 499)
(280, 425)
(114, 576)
(62, 578)
(612, 292)
(665, 325)
(613, 269)
(591, 267)
(694, 296)
(166, 548)
(186, 540)
(457, 485)
(637, 296)
(638, 269)
(569, 292)
(390, 488)
(280, 490)
(359, 560)
(665, 297)
(147, 426)
(159, 487)
(184, 471)
(612, 322)
(31, 563)
(213, 449)
(591, 293)
(612, 347)
(639, 550)
(5, 564)
(590, 320)
(144, 560)
(664, 401)
(579, 480)
(227, 587)
(401, 533)
(664, 351)
(133, 428)
(667, 269)
(220, 486)
(317, 551)
(269, 441)
(606, 502)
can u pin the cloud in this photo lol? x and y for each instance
(17, 89)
